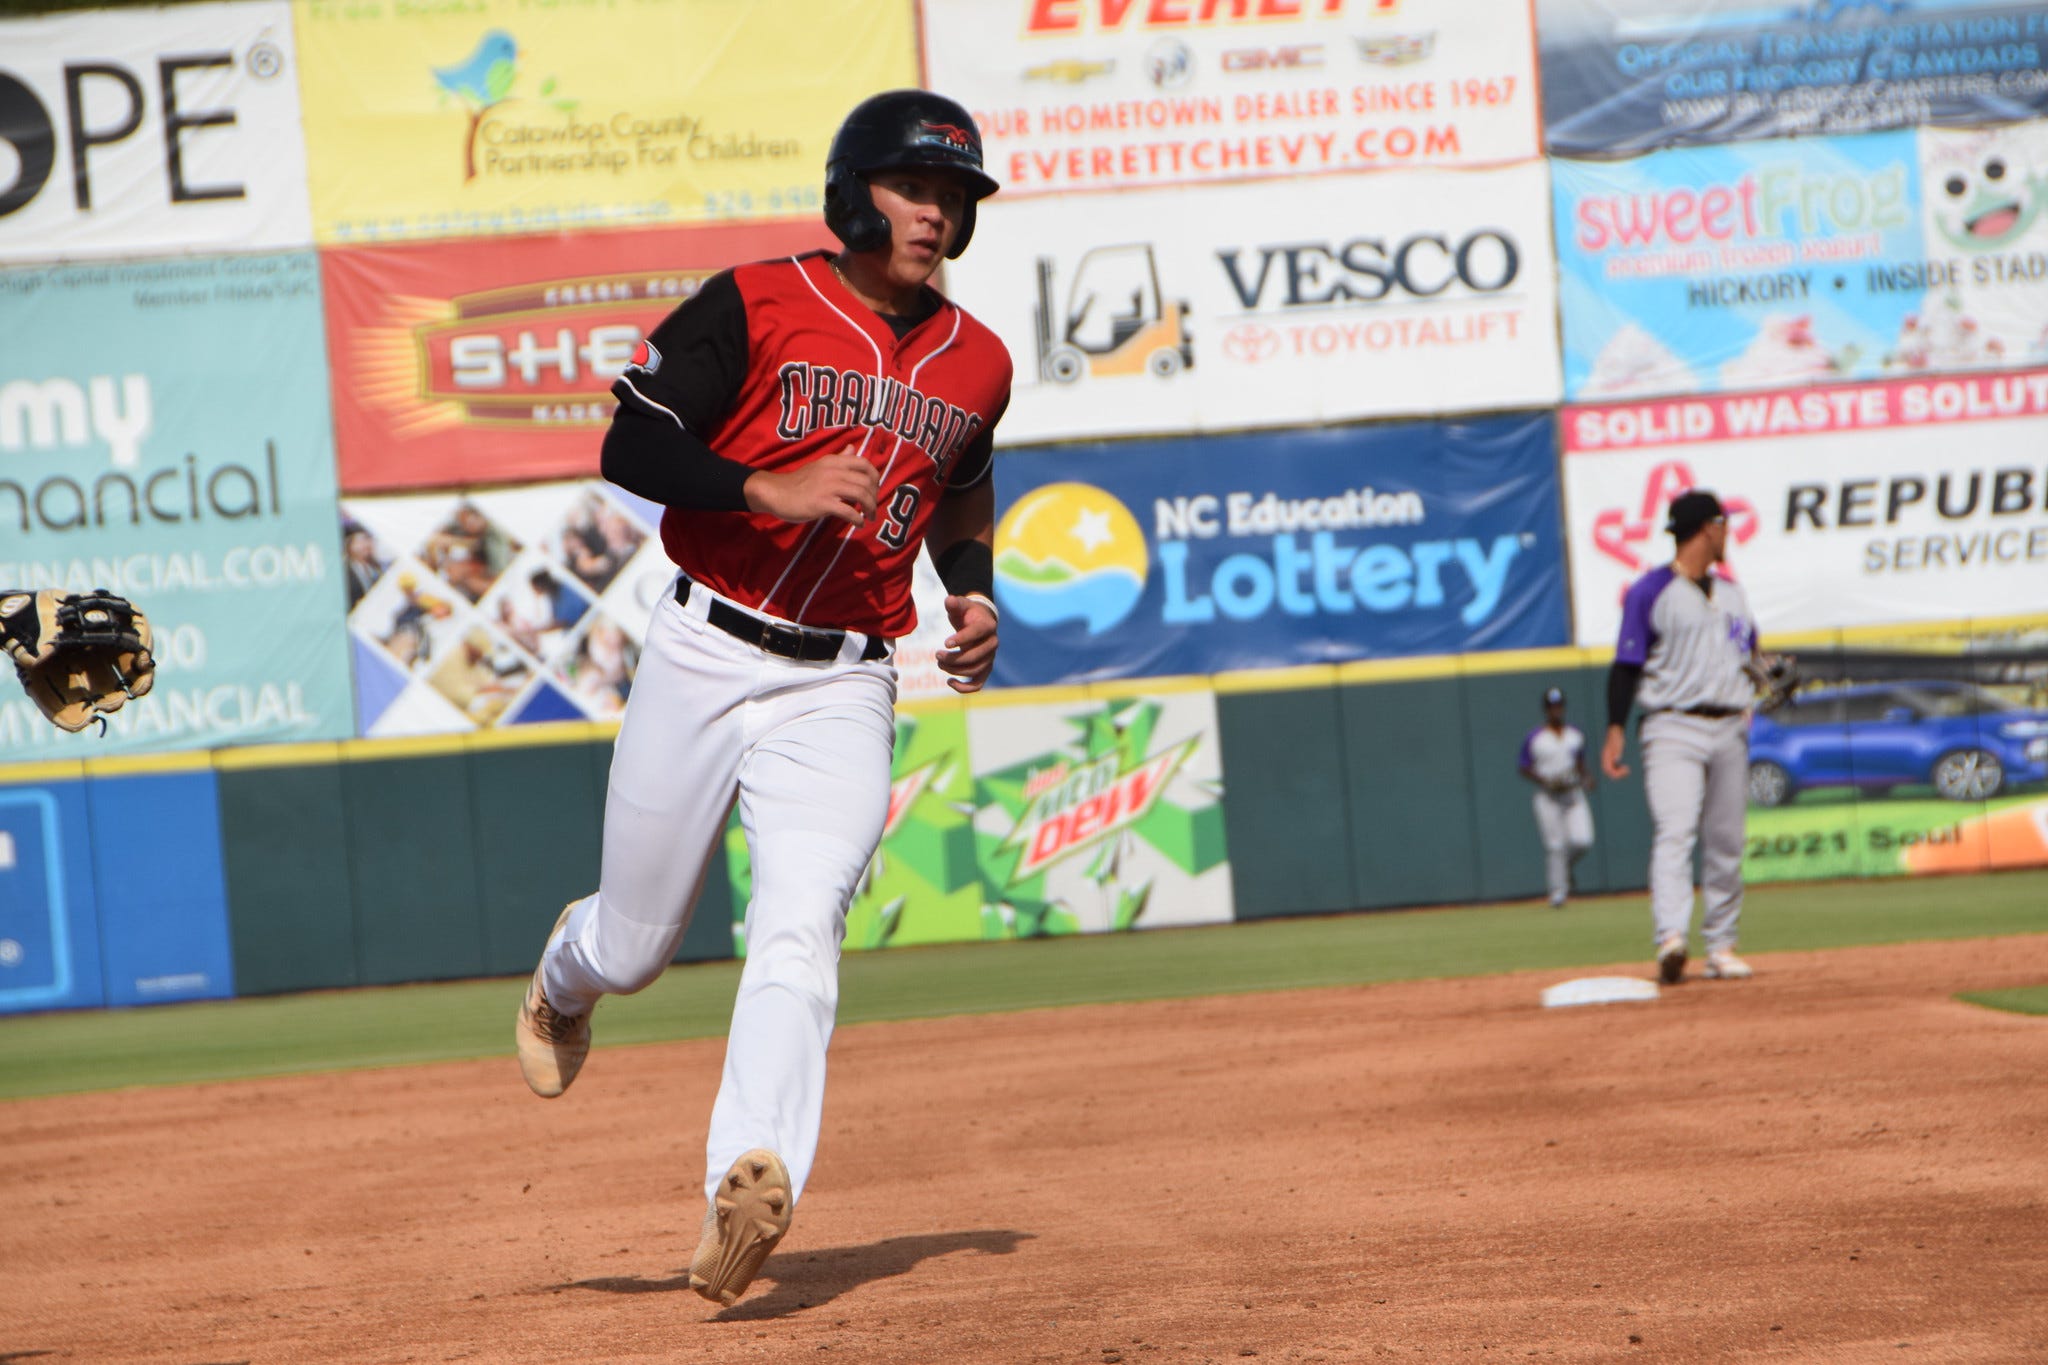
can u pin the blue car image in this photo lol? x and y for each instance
(1967, 743)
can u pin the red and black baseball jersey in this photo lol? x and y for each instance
(777, 363)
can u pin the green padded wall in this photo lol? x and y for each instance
(291, 917)
(1408, 772)
(1286, 807)
(412, 845)
(538, 815)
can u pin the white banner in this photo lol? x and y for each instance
(1275, 304)
(149, 131)
(1103, 94)
(1866, 504)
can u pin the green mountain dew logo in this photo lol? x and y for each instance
(483, 82)
(1074, 806)
(1092, 822)
(1069, 552)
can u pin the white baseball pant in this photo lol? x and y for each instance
(1696, 776)
(1565, 822)
(805, 749)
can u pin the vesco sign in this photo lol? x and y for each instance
(157, 129)
(1368, 269)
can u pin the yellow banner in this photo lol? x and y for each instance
(449, 118)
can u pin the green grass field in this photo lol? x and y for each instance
(178, 1044)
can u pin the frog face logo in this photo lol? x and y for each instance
(1986, 202)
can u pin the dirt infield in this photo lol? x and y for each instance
(1832, 1162)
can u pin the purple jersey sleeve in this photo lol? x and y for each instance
(1527, 758)
(1637, 635)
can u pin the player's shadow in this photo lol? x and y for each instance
(805, 1279)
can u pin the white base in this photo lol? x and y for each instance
(1599, 990)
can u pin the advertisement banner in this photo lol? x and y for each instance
(1791, 263)
(1275, 304)
(1622, 77)
(1907, 754)
(492, 361)
(1100, 815)
(512, 606)
(1093, 94)
(49, 917)
(1265, 551)
(1906, 500)
(501, 607)
(428, 120)
(143, 132)
(923, 885)
(164, 433)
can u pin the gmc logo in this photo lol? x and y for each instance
(1298, 56)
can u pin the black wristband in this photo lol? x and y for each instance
(968, 569)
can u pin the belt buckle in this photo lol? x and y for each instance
(785, 641)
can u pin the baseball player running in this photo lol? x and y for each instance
(1687, 650)
(807, 423)
(1554, 759)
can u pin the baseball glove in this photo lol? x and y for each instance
(1775, 676)
(80, 656)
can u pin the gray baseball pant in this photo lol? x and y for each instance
(1565, 822)
(1696, 775)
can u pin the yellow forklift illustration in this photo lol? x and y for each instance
(1116, 323)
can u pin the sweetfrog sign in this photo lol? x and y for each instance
(1260, 551)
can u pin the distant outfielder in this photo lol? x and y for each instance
(809, 423)
(1688, 653)
(1553, 757)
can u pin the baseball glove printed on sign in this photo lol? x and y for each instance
(80, 656)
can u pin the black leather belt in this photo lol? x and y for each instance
(777, 638)
(1711, 712)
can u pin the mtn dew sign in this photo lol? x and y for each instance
(1100, 815)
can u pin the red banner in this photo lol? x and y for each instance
(491, 361)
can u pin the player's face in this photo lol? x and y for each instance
(1717, 538)
(924, 209)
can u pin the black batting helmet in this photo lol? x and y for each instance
(894, 129)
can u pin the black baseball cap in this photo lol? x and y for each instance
(1553, 696)
(1690, 511)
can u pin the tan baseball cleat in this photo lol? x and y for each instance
(1671, 960)
(742, 1226)
(551, 1045)
(1724, 965)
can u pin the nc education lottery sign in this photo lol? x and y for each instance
(459, 120)
(1626, 76)
(1264, 551)
(1907, 500)
(1112, 94)
(164, 433)
(139, 132)
(1801, 262)
(492, 361)
(1275, 304)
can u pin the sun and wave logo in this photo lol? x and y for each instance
(1069, 552)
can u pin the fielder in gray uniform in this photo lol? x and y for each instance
(1688, 653)
(1553, 757)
